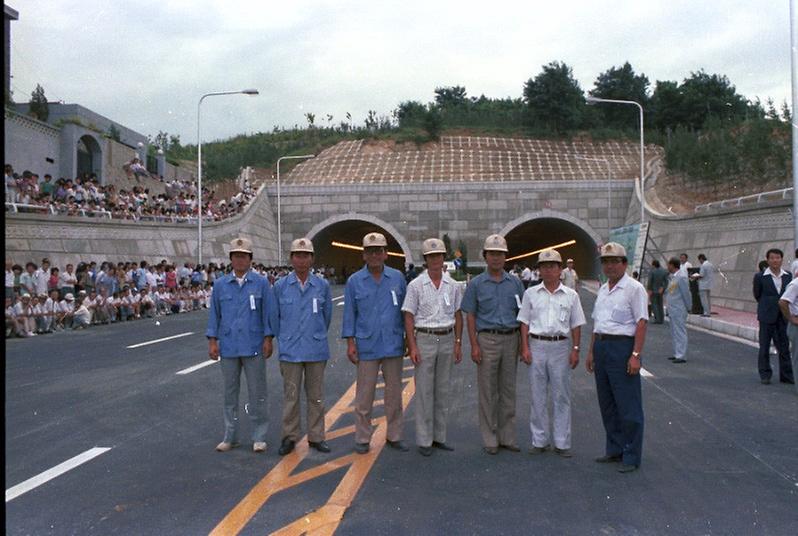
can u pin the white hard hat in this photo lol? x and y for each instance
(495, 242)
(433, 245)
(373, 240)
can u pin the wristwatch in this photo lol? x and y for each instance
(635, 354)
(576, 347)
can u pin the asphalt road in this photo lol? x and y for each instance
(720, 453)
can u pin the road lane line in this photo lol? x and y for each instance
(338, 298)
(139, 345)
(189, 370)
(339, 304)
(325, 519)
(58, 470)
(646, 374)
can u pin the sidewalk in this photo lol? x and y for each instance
(727, 321)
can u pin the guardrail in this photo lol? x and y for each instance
(16, 206)
(746, 199)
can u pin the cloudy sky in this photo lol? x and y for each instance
(145, 64)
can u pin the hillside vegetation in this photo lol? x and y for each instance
(711, 134)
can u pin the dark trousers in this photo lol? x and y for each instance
(620, 399)
(777, 332)
(656, 308)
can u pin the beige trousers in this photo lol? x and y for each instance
(496, 381)
(314, 393)
(433, 386)
(367, 372)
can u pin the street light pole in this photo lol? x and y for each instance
(279, 215)
(794, 120)
(199, 162)
(609, 188)
(593, 100)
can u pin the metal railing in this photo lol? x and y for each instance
(16, 206)
(746, 199)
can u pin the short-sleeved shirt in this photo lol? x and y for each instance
(618, 311)
(433, 308)
(569, 278)
(707, 273)
(494, 303)
(791, 296)
(551, 313)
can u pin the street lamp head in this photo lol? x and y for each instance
(591, 100)
(250, 92)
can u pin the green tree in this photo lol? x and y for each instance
(705, 96)
(449, 97)
(554, 98)
(433, 122)
(39, 108)
(621, 83)
(113, 133)
(786, 112)
(410, 114)
(665, 106)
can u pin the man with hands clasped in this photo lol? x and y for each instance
(549, 314)
(620, 316)
(239, 331)
(433, 330)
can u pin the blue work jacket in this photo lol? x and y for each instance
(373, 313)
(495, 304)
(302, 319)
(241, 316)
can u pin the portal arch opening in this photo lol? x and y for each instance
(539, 231)
(337, 241)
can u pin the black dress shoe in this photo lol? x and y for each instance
(442, 446)
(511, 448)
(627, 468)
(321, 446)
(791, 382)
(672, 358)
(765, 381)
(678, 360)
(609, 459)
(286, 447)
(425, 451)
(361, 448)
(398, 445)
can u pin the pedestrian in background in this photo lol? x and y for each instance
(680, 303)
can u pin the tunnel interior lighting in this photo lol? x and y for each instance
(556, 246)
(360, 248)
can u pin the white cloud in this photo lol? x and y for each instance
(146, 64)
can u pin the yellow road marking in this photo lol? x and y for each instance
(324, 520)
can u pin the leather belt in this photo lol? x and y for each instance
(499, 331)
(608, 337)
(428, 331)
(548, 337)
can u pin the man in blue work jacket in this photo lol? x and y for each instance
(304, 311)
(374, 329)
(239, 331)
(491, 303)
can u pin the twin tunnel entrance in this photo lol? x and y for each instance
(337, 244)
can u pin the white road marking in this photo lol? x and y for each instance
(646, 374)
(139, 345)
(338, 298)
(58, 470)
(339, 304)
(189, 370)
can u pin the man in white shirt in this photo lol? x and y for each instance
(81, 318)
(705, 278)
(769, 285)
(9, 279)
(41, 276)
(620, 318)
(67, 280)
(549, 314)
(434, 328)
(526, 276)
(569, 276)
(685, 265)
(24, 314)
(794, 264)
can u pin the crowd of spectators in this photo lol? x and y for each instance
(44, 299)
(84, 196)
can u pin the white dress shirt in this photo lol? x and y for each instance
(791, 296)
(551, 313)
(776, 278)
(433, 308)
(618, 311)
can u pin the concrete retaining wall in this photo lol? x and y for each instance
(69, 239)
